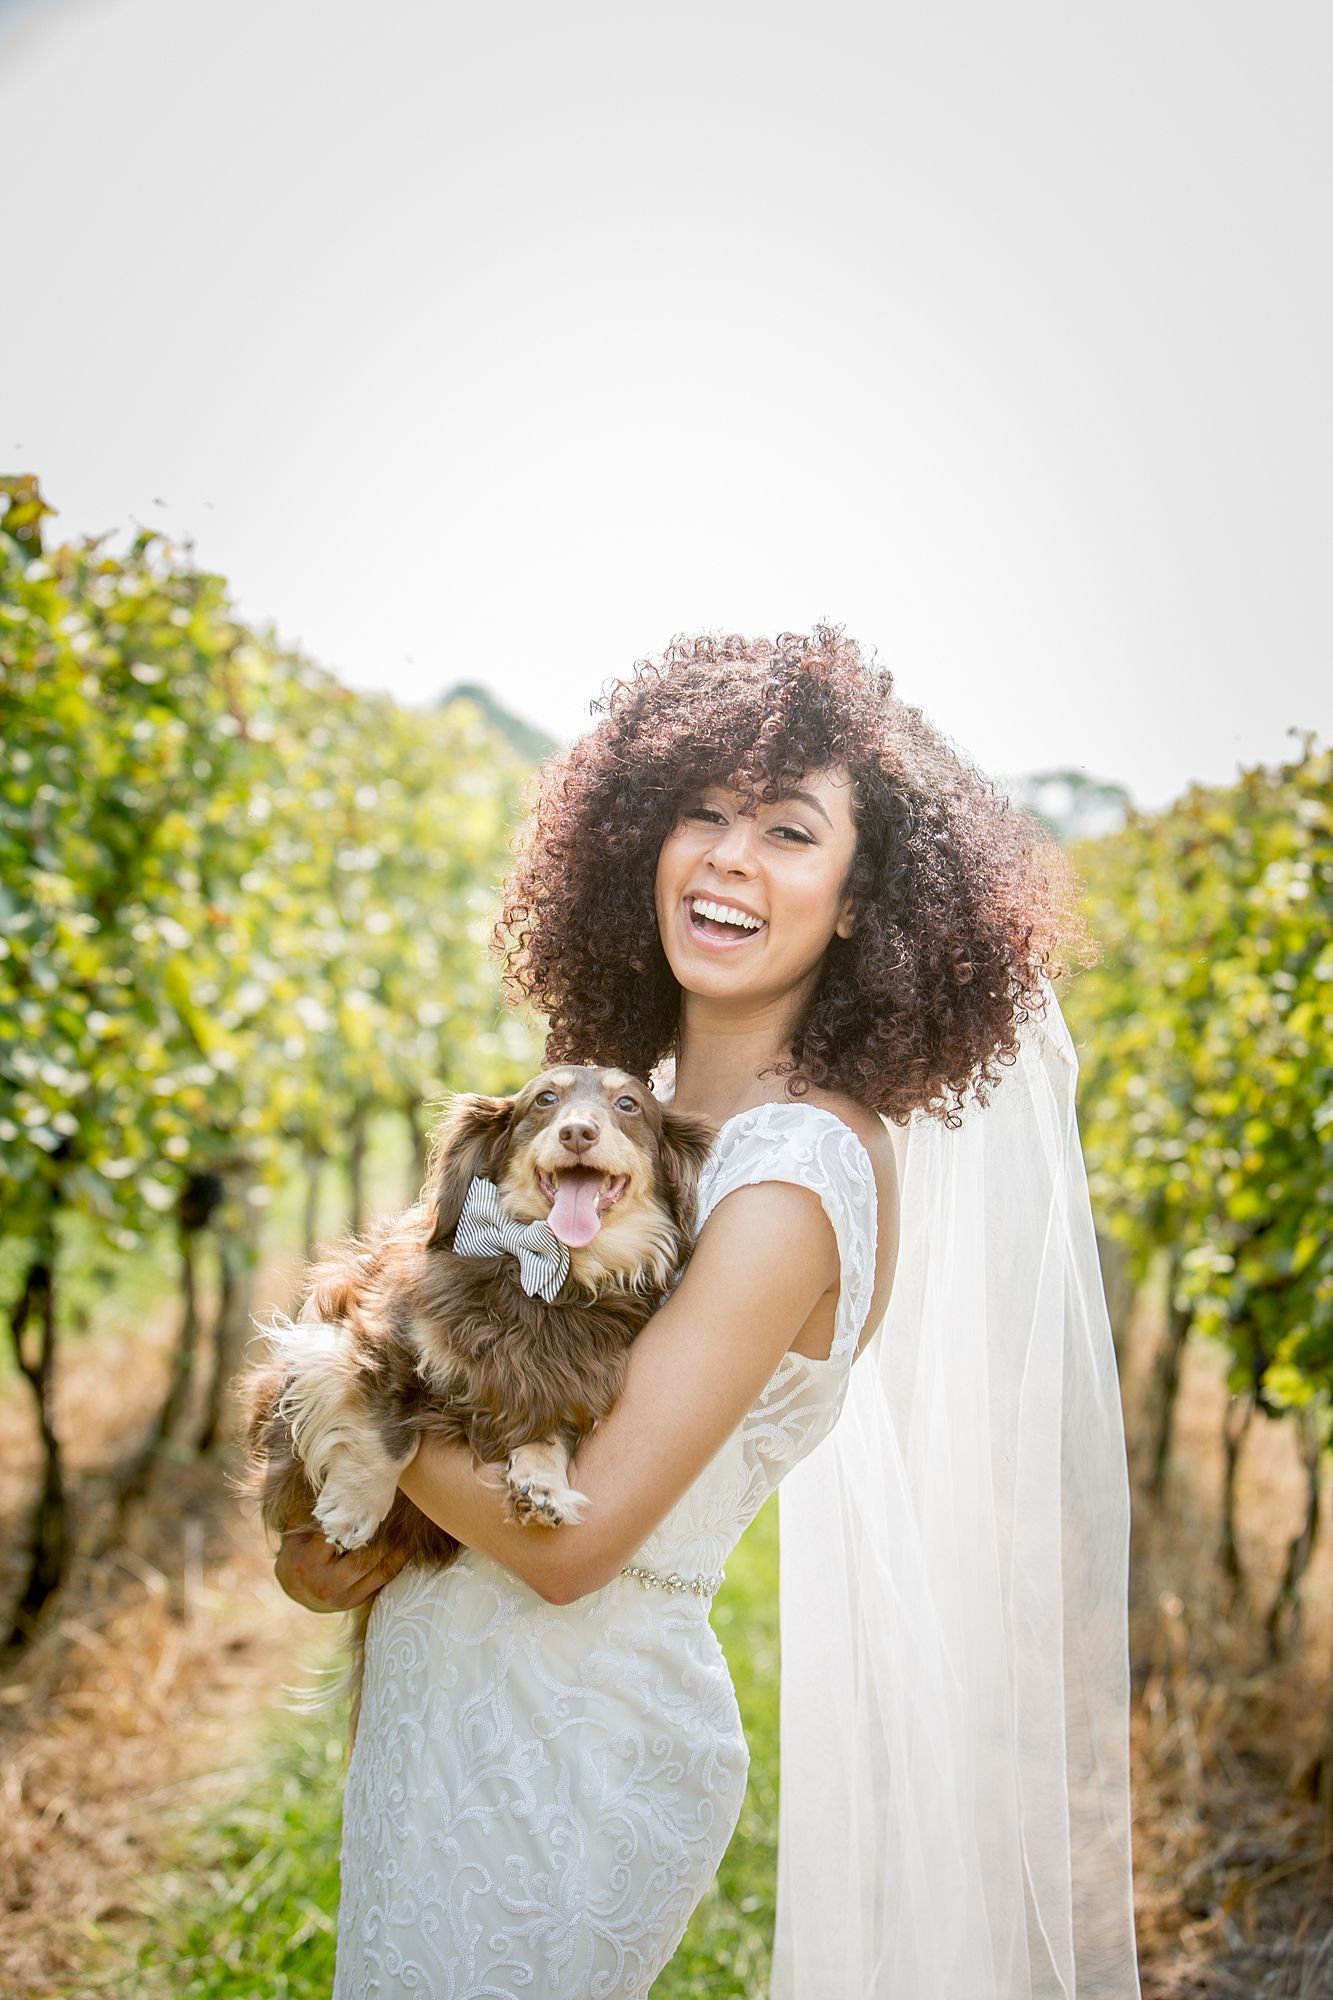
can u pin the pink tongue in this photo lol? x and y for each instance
(574, 1218)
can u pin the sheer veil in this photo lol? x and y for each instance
(954, 1816)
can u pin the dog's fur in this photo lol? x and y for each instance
(401, 1337)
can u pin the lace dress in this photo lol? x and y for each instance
(540, 1794)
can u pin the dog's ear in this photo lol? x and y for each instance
(470, 1140)
(686, 1144)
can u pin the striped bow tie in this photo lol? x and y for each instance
(484, 1230)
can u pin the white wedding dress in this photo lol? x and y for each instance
(540, 1794)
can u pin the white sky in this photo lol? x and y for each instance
(502, 340)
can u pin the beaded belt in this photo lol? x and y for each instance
(701, 1586)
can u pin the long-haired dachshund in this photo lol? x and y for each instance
(498, 1310)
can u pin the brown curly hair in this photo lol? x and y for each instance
(959, 896)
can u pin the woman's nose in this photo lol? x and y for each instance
(733, 849)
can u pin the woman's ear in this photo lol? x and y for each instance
(471, 1140)
(686, 1144)
(846, 923)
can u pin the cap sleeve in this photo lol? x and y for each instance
(812, 1148)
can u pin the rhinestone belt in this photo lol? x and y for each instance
(701, 1586)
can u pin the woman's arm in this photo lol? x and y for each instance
(765, 1258)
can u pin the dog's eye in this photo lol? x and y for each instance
(545, 1097)
(627, 1104)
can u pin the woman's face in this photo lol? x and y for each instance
(747, 902)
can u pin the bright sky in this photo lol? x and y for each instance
(503, 340)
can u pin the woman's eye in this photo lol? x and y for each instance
(796, 833)
(709, 813)
(627, 1104)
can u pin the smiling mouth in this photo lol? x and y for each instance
(721, 922)
(579, 1198)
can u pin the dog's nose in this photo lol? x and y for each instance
(579, 1132)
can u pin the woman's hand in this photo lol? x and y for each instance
(314, 1574)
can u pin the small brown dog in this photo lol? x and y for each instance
(498, 1310)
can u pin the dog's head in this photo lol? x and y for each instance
(591, 1152)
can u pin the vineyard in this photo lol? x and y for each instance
(243, 923)
(1207, 1106)
(244, 909)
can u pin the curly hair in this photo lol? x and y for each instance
(959, 896)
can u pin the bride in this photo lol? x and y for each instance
(764, 865)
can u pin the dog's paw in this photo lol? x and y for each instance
(347, 1524)
(545, 1506)
(538, 1497)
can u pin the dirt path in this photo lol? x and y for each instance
(145, 1695)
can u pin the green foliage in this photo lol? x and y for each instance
(249, 1909)
(239, 903)
(1207, 1099)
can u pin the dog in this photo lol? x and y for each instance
(498, 1311)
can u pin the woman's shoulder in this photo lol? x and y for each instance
(868, 1126)
(875, 1136)
(767, 1130)
(779, 1139)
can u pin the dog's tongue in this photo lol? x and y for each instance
(574, 1218)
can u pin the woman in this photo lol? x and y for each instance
(763, 864)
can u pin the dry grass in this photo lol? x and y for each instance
(1234, 1885)
(141, 1692)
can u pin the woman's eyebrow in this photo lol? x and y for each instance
(808, 799)
(801, 798)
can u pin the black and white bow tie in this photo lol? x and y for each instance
(484, 1230)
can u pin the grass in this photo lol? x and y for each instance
(251, 1912)
(247, 1912)
(726, 1949)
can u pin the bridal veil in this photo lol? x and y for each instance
(954, 1816)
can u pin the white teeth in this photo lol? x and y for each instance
(722, 913)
